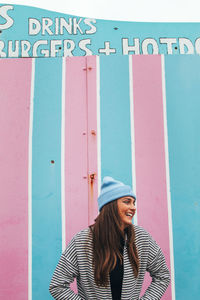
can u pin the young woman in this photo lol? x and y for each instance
(109, 259)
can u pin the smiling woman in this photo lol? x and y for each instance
(110, 258)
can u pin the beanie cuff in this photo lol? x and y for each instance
(114, 194)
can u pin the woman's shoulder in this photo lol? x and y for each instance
(84, 234)
(144, 238)
(140, 230)
(79, 240)
(141, 234)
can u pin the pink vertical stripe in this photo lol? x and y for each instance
(150, 152)
(92, 138)
(15, 87)
(76, 178)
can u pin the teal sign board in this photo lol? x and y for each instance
(32, 32)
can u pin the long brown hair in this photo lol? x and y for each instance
(107, 234)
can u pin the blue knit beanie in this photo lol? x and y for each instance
(112, 189)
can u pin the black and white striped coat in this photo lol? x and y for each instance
(76, 261)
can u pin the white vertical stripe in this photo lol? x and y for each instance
(63, 155)
(98, 123)
(30, 182)
(132, 131)
(168, 179)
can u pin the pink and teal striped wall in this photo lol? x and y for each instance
(64, 125)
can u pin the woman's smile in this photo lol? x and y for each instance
(126, 209)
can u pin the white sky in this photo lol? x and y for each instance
(126, 10)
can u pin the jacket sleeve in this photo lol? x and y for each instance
(64, 274)
(159, 272)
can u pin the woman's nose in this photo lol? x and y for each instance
(133, 206)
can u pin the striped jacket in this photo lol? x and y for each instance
(76, 261)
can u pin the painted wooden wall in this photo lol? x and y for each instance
(64, 125)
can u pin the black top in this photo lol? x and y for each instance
(116, 276)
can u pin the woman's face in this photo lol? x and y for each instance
(126, 209)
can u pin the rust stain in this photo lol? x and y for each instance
(91, 184)
(93, 132)
(87, 69)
